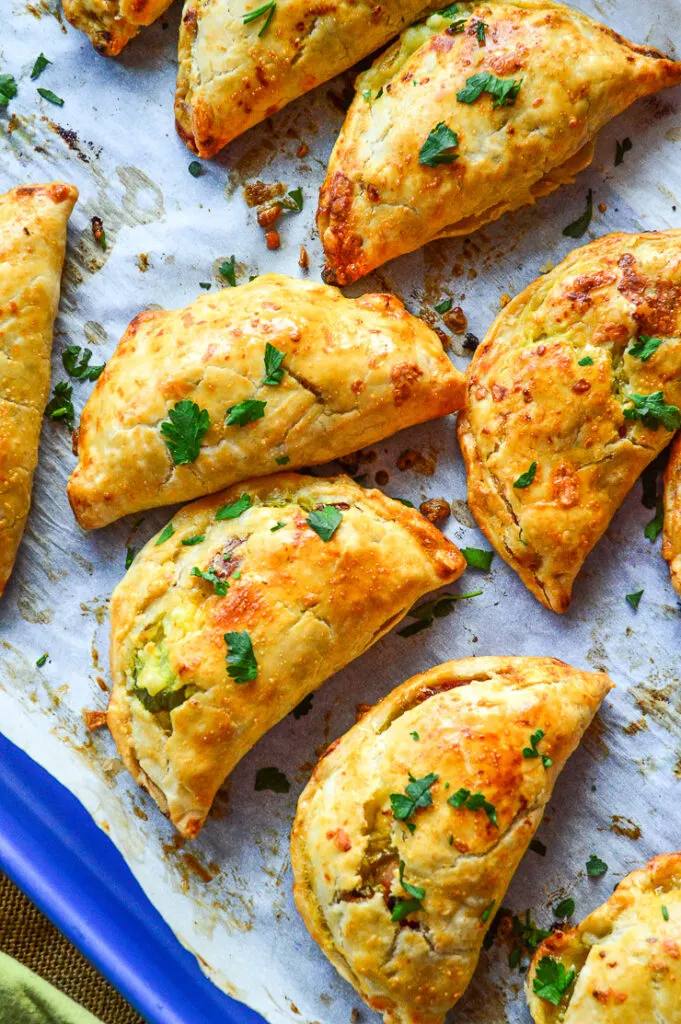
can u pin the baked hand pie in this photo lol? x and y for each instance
(413, 823)
(111, 24)
(33, 222)
(275, 372)
(479, 110)
(241, 61)
(622, 964)
(574, 391)
(243, 605)
(671, 538)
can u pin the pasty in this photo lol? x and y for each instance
(243, 605)
(111, 24)
(241, 61)
(671, 538)
(276, 372)
(33, 222)
(480, 110)
(574, 391)
(626, 957)
(410, 830)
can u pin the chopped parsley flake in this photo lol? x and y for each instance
(665, 912)
(415, 736)
(277, 526)
(324, 521)
(293, 201)
(652, 411)
(504, 90)
(595, 867)
(579, 227)
(221, 586)
(526, 478)
(227, 270)
(42, 659)
(195, 169)
(241, 662)
(273, 371)
(234, 508)
(444, 306)
(551, 980)
(478, 558)
(78, 366)
(644, 347)
(245, 412)
(474, 802)
(635, 599)
(437, 149)
(426, 613)
(189, 542)
(487, 912)
(565, 908)
(8, 89)
(656, 525)
(532, 751)
(165, 535)
(51, 97)
(586, 361)
(129, 557)
(283, 460)
(184, 431)
(60, 406)
(480, 32)
(417, 795)
(41, 63)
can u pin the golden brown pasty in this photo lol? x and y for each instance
(410, 830)
(671, 538)
(573, 392)
(33, 222)
(456, 125)
(243, 605)
(626, 957)
(238, 66)
(279, 371)
(111, 24)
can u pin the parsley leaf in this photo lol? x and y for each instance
(166, 535)
(51, 97)
(241, 663)
(184, 431)
(437, 149)
(526, 478)
(444, 306)
(273, 360)
(266, 9)
(234, 508)
(504, 90)
(487, 912)
(41, 63)
(80, 370)
(532, 751)
(474, 802)
(42, 659)
(195, 169)
(272, 779)
(293, 201)
(221, 586)
(283, 460)
(227, 270)
(652, 411)
(665, 912)
(586, 361)
(565, 908)
(595, 867)
(635, 599)
(403, 908)
(324, 521)
(426, 613)
(166, 699)
(245, 412)
(480, 32)
(8, 89)
(415, 736)
(417, 795)
(416, 891)
(60, 406)
(189, 542)
(551, 980)
(579, 227)
(529, 936)
(656, 525)
(644, 347)
(625, 146)
(129, 557)
(478, 558)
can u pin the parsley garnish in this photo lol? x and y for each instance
(635, 599)
(266, 9)
(474, 802)
(184, 431)
(241, 663)
(60, 406)
(625, 146)
(283, 460)
(206, 285)
(415, 736)
(530, 936)
(579, 227)
(437, 149)
(293, 201)
(234, 508)
(480, 32)
(504, 90)
(227, 270)
(80, 370)
(404, 907)
(221, 586)
(8, 89)
(532, 751)
(444, 306)
(166, 535)
(191, 541)
(277, 526)
(129, 557)
(245, 412)
(165, 700)
(595, 867)
(41, 63)
(551, 980)
(586, 361)
(324, 521)
(195, 169)
(51, 97)
(426, 613)
(526, 478)
(665, 912)
(487, 912)
(652, 411)
(41, 660)
(273, 360)
(644, 347)
(272, 779)
(656, 525)
(478, 558)
(417, 795)
(304, 707)
(565, 908)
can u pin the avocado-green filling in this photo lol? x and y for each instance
(154, 682)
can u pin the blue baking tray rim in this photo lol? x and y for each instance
(53, 850)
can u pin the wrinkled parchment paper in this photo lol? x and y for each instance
(227, 895)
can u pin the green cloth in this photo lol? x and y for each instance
(27, 999)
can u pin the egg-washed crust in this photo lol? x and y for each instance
(671, 538)
(379, 202)
(111, 24)
(33, 222)
(467, 722)
(355, 371)
(230, 77)
(530, 401)
(309, 607)
(626, 955)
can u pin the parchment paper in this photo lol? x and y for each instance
(227, 896)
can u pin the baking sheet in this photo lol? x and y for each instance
(227, 895)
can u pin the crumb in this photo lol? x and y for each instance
(436, 510)
(303, 150)
(94, 719)
(456, 320)
(504, 300)
(304, 259)
(273, 240)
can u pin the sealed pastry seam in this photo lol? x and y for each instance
(671, 538)
(111, 24)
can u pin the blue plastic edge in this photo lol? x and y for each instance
(53, 850)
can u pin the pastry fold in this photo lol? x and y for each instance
(625, 955)
(204, 665)
(671, 537)
(33, 222)
(354, 371)
(456, 734)
(111, 24)
(233, 74)
(559, 77)
(574, 391)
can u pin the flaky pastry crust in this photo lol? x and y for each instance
(111, 24)
(467, 723)
(671, 538)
